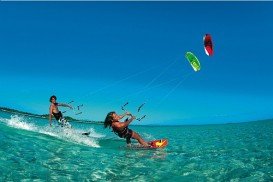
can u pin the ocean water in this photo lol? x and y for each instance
(32, 151)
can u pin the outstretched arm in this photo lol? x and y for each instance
(65, 105)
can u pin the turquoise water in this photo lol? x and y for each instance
(30, 150)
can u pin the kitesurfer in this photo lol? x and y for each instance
(121, 129)
(53, 110)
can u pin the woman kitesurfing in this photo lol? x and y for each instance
(112, 120)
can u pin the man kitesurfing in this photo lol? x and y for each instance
(54, 110)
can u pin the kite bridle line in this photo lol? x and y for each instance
(128, 77)
(141, 91)
(171, 91)
(145, 88)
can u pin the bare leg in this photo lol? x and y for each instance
(139, 139)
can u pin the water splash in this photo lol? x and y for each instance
(73, 135)
(18, 122)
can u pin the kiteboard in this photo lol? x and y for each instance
(155, 144)
(208, 44)
(86, 133)
(193, 61)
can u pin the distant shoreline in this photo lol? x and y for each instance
(45, 116)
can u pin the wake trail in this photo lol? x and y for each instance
(72, 135)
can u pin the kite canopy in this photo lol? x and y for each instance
(208, 44)
(193, 61)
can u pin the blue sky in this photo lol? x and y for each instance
(104, 54)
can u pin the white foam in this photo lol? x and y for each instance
(73, 135)
(17, 122)
(93, 133)
(69, 134)
(77, 137)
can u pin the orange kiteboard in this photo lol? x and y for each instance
(155, 144)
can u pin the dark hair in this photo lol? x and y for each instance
(53, 96)
(109, 119)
